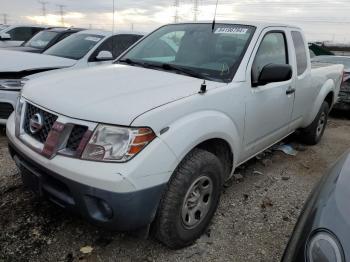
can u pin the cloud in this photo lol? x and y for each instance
(321, 19)
(55, 20)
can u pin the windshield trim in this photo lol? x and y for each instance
(234, 67)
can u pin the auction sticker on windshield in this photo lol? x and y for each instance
(231, 30)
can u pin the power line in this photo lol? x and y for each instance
(113, 13)
(62, 12)
(43, 8)
(5, 16)
(195, 10)
(176, 6)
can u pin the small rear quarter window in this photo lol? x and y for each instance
(300, 51)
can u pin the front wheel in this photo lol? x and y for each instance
(313, 133)
(190, 201)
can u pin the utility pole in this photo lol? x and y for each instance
(43, 8)
(132, 27)
(113, 20)
(5, 18)
(195, 10)
(176, 6)
(61, 7)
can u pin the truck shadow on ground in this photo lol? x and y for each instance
(340, 114)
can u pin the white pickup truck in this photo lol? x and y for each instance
(149, 141)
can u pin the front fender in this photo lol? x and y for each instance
(328, 87)
(191, 130)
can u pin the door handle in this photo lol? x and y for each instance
(290, 91)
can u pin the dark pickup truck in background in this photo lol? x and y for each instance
(344, 93)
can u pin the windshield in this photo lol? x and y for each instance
(333, 60)
(209, 54)
(41, 39)
(75, 46)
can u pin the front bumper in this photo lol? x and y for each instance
(115, 211)
(119, 196)
(7, 98)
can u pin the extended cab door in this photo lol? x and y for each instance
(269, 106)
(305, 93)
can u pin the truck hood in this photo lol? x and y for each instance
(114, 94)
(14, 61)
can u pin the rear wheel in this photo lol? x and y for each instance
(313, 134)
(190, 201)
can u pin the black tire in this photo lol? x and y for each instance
(170, 227)
(313, 133)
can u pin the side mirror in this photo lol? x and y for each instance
(104, 56)
(5, 36)
(272, 73)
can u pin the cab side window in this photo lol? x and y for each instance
(23, 33)
(300, 50)
(272, 50)
(116, 45)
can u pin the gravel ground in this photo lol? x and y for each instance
(255, 218)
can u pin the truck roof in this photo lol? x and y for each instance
(28, 25)
(257, 24)
(108, 33)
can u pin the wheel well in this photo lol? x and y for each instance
(329, 98)
(222, 150)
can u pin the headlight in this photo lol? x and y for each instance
(112, 143)
(323, 246)
(12, 84)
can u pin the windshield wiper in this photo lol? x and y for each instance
(133, 62)
(167, 67)
(183, 70)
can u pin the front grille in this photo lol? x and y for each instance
(75, 137)
(48, 121)
(6, 110)
(66, 137)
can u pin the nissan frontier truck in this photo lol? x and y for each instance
(148, 142)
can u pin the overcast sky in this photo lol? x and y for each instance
(320, 19)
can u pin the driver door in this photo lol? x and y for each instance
(269, 107)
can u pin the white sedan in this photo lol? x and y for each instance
(83, 49)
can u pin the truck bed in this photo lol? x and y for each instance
(323, 72)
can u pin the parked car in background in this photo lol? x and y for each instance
(83, 49)
(45, 39)
(344, 94)
(2, 27)
(15, 35)
(322, 230)
(150, 141)
(318, 50)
